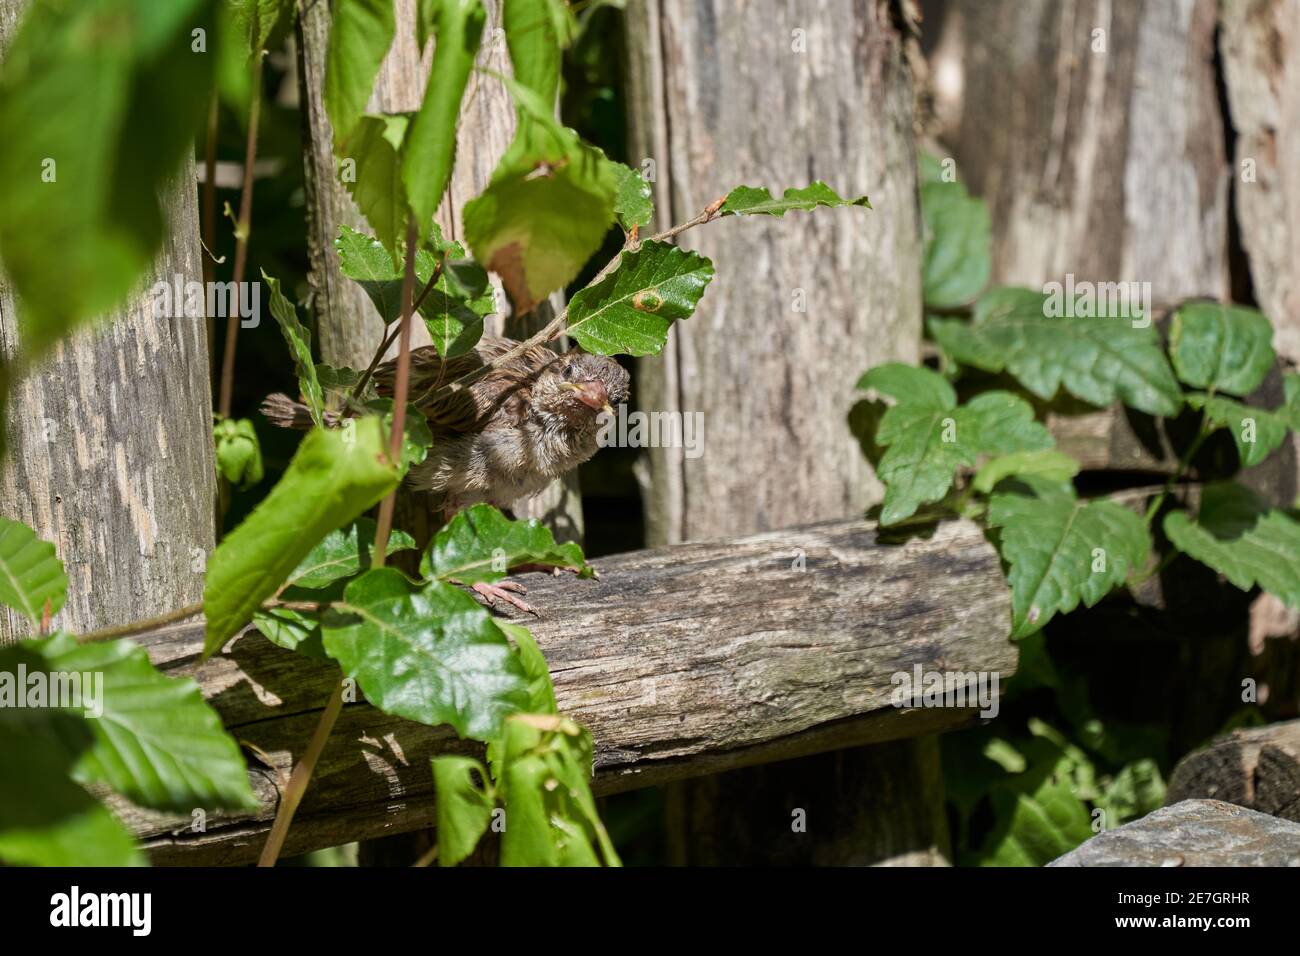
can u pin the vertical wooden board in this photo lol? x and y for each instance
(775, 94)
(1260, 48)
(1093, 129)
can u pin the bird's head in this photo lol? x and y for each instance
(577, 387)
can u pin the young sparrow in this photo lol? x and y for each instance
(509, 433)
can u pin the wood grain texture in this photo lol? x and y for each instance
(1257, 768)
(349, 327)
(1260, 48)
(1108, 165)
(110, 441)
(689, 660)
(718, 96)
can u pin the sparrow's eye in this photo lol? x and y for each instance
(570, 373)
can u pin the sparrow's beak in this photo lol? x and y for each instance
(592, 394)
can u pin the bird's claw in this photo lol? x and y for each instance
(505, 591)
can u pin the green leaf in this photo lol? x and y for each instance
(156, 740)
(429, 653)
(541, 691)
(1048, 464)
(295, 629)
(1221, 347)
(372, 173)
(256, 19)
(1290, 411)
(430, 146)
(239, 456)
(631, 309)
(1096, 359)
(1039, 814)
(100, 102)
(344, 552)
(547, 208)
(750, 201)
(536, 31)
(418, 436)
(1255, 431)
(45, 818)
(298, 339)
(30, 572)
(464, 807)
(361, 31)
(1135, 791)
(482, 544)
(928, 438)
(633, 205)
(335, 476)
(957, 262)
(1061, 550)
(1238, 536)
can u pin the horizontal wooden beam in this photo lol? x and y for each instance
(682, 661)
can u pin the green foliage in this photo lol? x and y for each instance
(1238, 536)
(1221, 348)
(751, 201)
(464, 806)
(547, 208)
(1061, 551)
(482, 544)
(430, 144)
(426, 652)
(633, 205)
(1256, 432)
(239, 456)
(536, 32)
(929, 437)
(1097, 359)
(361, 31)
(334, 477)
(343, 553)
(372, 173)
(631, 309)
(31, 574)
(956, 263)
(256, 20)
(99, 104)
(298, 339)
(1048, 464)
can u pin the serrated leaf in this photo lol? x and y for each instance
(1221, 347)
(372, 173)
(1047, 463)
(482, 544)
(1238, 536)
(156, 740)
(335, 476)
(1062, 551)
(30, 572)
(751, 201)
(344, 552)
(298, 339)
(927, 438)
(956, 264)
(547, 208)
(1099, 360)
(630, 311)
(430, 145)
(1255, 431)
(361, 31)
(238, 453)
(633, 205)
(464, 807)
(429, 653)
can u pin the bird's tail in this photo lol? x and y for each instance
(282, 411)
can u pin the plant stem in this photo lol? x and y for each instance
(392, 334)
(145, 624)
(427, 858)
(241, 240)
(557, 325)
(1183, 464)
(300, 777)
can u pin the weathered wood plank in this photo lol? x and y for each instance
(110, 440)
(1257, 768)
(682, 661)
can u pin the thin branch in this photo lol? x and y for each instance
(557, 325)
(145, 624)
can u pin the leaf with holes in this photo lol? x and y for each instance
(630, 311)
(482, 544)
(429, 653)
(1062, 551)
(1227, 348)
(1238, 535)
(1096, 359)
(465, 803)
(30, 572)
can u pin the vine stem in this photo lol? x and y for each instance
(145, 624)
(557, 325)
(302, 773)
(1183, 464)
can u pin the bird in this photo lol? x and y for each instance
(505, 436)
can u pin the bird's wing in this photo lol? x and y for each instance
(498, 399)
